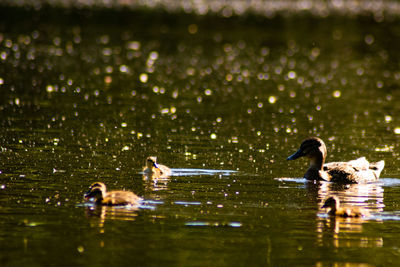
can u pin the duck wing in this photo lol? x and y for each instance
(358, 170)
(114, 198)
(377, 167)
(341, 172)
(354, 174)
(359, 164)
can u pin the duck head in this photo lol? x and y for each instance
(313, 148)
(151, 162)
(96, 190)
(332, 203)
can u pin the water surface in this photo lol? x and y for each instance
(88, 94)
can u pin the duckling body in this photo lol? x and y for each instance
(333, 204)
(155, 170)
(354, 171)
(98, 191)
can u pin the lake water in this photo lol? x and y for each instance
(87, 94)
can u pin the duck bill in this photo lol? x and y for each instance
(155, 165)
(296, 155)
(88, 195)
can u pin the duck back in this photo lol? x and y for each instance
(354, 171)
(115, 198)
(347, 212)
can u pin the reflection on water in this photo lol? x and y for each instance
(379, 9)
(367, 196)
(155, 184)
(214, 224)
(99, 213)
(199, 172)
(344, 233)
(161, 183)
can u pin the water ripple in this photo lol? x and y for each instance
(215, 224)
(198, 172)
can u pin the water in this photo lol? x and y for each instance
(87, 95)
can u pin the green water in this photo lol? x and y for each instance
(87, 95)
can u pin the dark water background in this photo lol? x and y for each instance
(88, 94)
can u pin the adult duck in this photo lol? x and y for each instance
(99, 193)
(354, 171)
(155, 170)
(333, 204)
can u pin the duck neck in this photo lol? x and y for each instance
(315, 170)
(150, 167)
(336, 206)
(314, 174)
(317, 162)
(99, 199)
(100, 196)
(332, 211)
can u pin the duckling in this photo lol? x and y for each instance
(155, 170)
(351, 172)
(98, 191)
(333, 204)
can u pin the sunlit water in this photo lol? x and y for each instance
(88, 95)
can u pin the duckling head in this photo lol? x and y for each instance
(151, 162)
(96, 191)
(313, 148)
(332, 203)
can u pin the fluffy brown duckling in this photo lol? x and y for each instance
(355, 171)
(333, 204)
(155, 170)
(98, 191)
